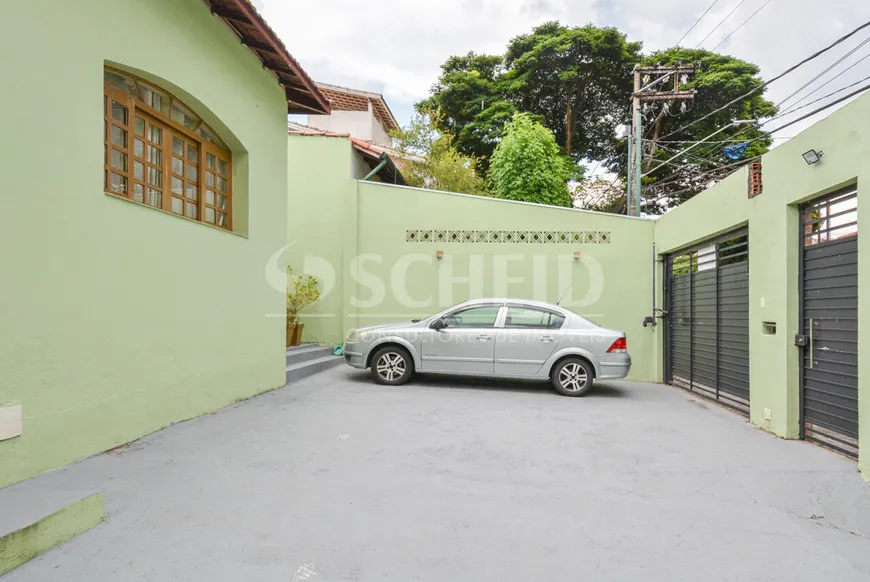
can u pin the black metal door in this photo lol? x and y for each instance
(707, 334)
(829, 312)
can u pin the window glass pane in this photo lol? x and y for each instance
(222, 219)
(156, 135)
(155, 198)
(529, 317)
(209, 161)
(155, 155)
(222, 202)
(190, 191)
(207, 133)
(177, 205)
(483, 316)
(191, 173)
(139, 170)
(114, 79)
(177, 147)
(192, 154)
(139, 148)
(222, 167)
(119, 184)
(190, 210)
(183, 115)
(155, 177)
(209, 179)
(119, 113)
(177, 186)
(209, 215)
(138, 192)
(154, 98)
(119, 160)
(556, 321)
(119, 136)
(139, 128)
(177, 166)
(209, 197)
(222, 184)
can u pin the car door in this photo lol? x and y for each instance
(529, 335)
(466, 345)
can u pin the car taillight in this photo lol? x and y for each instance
(618, 347)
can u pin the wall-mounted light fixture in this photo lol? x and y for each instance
(813, 157)
(576, 255)
(439, 255)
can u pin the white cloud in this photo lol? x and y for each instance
(396, 46)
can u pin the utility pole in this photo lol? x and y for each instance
(662, 84)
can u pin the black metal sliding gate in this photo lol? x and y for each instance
(829, 316)
(707, 330)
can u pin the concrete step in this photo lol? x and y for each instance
(303, 353)
(307, 368)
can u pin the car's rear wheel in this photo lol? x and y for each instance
(572, 377)
(392, 366)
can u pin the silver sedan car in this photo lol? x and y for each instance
(504, 338)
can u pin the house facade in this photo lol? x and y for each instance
(133, 288)
(362, 114)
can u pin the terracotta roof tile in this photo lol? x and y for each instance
(347, 99)
(303, 96)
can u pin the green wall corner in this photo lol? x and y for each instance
(21, 546)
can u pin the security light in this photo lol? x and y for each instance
(813, 157)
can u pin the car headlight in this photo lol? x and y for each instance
(358, 335)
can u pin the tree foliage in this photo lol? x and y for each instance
(528, 164)
(578, 82)
(428, 159)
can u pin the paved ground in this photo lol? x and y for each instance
(337, 479)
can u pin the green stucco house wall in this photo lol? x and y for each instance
(117, 318)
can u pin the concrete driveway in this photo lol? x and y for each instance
(337, 479)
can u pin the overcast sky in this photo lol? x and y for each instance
(395, 47)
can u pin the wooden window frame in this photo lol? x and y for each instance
(170, 129)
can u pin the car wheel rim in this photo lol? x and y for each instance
(391, 366)
(572, 377)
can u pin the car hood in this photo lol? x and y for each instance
(391, 326)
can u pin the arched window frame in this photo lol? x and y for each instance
(159, 153)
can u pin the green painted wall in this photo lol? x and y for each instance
(119, 319)
(352, 236)
(774, 258)
(21, 546)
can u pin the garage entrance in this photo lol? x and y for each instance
(829, 305)
(707, 320)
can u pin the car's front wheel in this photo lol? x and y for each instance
(572, 377)
(392, 366)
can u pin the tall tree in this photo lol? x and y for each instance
(719, 80)
(528, 164)
(428, 159)
(468, 103)
(578, 79)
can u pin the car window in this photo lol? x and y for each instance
(479, 316)
(529, 317)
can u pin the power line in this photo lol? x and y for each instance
(724, 20)
(697, 22)
(780, 128)
(742, 24)
(794, 107)
(840, 90)
(814, 112)
(825, 71)
(766, 83)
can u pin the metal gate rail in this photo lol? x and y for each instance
(707, 343)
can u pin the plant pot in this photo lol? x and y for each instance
(294, 334)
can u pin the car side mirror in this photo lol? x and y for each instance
(438, 324)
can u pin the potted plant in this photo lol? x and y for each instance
(302, 292)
